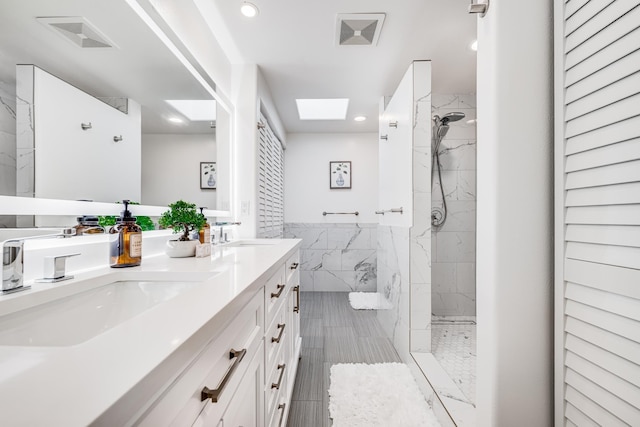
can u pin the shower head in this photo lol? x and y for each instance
(452, 117)
(442, 131)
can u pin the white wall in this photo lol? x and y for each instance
(161, 153)
(71, 163)
(306, 178)
(396, 174)
(514, 214)
(244, 97)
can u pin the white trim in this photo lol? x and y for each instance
(11, 205)
(559, 214)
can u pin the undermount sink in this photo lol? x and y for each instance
(78, 318)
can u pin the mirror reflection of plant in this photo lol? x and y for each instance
(182, 217)
(144, 222)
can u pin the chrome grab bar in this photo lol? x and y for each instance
(356, 213)
(394, 210)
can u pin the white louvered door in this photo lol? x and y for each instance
(270, 204)
(597, 212)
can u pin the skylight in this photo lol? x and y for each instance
(195, 110)
(322, 109)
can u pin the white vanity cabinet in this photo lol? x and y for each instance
(245, 375)
(202, 393)
(282, 341)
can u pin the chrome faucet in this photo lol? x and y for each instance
(13, 261)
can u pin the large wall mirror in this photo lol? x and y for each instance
(88, 66)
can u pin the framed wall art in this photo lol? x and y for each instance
(208, 177)
(339, 175)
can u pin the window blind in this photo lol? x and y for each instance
(270, 204)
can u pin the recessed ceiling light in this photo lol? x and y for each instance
(322, 109)
(474, 45)
(249, 10)
(360, 118)
(176, 120)
(195, 109)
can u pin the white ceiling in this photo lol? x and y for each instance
(293, 42)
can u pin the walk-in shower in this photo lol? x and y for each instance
(440, 129)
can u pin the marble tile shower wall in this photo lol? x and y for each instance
(7, 147)
(336, 257)
(453, 244)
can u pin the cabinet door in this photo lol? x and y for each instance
(246, 408)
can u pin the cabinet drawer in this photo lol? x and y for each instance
(278, 416)
(215, 369)
(247, 406)
(292, 265)
(274, 295)
(276, 338)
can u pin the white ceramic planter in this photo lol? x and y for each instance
(181, 249)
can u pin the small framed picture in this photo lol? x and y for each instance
(208, 177)
(339, 175)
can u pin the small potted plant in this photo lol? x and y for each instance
(183, 218)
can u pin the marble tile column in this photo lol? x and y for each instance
(7, 147)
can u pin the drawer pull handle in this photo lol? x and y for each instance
(296, 289)
(281, 406)
(214, 394)
(280, 289)
(277, 385)
(294, 265)
(279, 337)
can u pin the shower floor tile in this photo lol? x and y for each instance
(454, 347)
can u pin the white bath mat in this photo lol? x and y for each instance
(377, 395)
(368, 301)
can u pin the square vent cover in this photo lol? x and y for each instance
(360, 29)
(77, 30)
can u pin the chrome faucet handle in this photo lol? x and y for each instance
(54, 268)
(12, 266)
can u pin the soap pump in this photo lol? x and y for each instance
(88, 224)
(204, 234)
(125, 240)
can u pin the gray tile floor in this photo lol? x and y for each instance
(332, 332)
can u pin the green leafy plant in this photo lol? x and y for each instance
(144, 222)
(182, 217)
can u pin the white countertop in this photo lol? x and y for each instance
(73, 385)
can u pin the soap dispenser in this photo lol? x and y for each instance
(88, 224)
(204, 234)
(125, 243)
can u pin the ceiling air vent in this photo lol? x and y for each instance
(77, 30)
(360, 29)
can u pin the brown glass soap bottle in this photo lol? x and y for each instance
(125, 240)
(204, 234)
